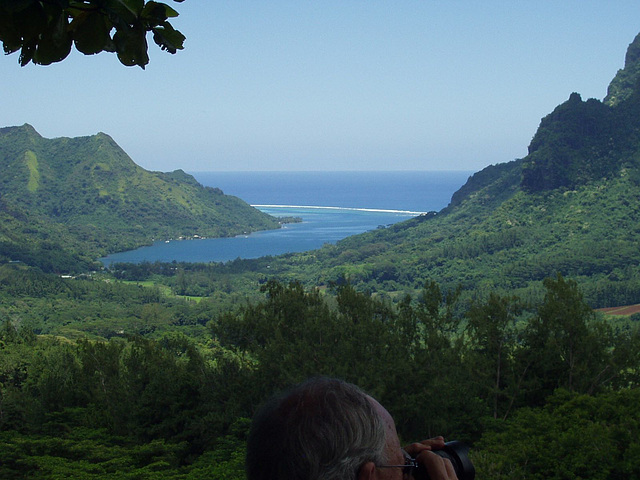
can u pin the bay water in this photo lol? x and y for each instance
(332, 205)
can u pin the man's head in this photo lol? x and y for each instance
(323, 429)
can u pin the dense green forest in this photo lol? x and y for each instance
(173, 398)
(475, 322)
(84, 197)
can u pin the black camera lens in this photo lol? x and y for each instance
(458, 454)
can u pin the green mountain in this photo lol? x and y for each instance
(572, 205)
(626, 80)
(66, 201)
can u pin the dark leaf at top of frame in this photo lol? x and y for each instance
(131, 46)
(13, 6)
(155, 13)
(168, 38)
(54, 43)
(124, 12)
(91, 33)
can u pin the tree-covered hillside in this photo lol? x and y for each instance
(170, 394)
(84, 197)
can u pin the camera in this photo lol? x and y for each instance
(458, 453)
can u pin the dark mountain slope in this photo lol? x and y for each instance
(625, 83)
(87, 195)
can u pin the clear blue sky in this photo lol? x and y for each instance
(334, 85)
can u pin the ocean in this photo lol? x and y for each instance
(332, 205)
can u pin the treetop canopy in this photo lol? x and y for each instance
(45, 30)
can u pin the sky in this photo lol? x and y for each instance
(334, 85)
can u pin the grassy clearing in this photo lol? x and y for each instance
(623, 310)
(164, 289)
(34, 175)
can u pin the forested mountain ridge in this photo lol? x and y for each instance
(580, 141)
(84, 197)
(626, 80)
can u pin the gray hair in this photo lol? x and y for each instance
(323, 429)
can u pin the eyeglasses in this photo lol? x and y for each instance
(410, 464)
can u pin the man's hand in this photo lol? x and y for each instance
(437, 467)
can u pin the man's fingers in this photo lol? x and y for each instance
(450, 470)
(435, 443)
(437, 467)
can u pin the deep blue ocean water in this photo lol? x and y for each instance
(332, 205)
(412, 191)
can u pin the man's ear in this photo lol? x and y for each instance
(367, 471)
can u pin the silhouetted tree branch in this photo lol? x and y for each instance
(44, 31)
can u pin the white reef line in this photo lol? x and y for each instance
(380, 210)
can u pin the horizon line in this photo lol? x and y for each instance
(335, 171)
